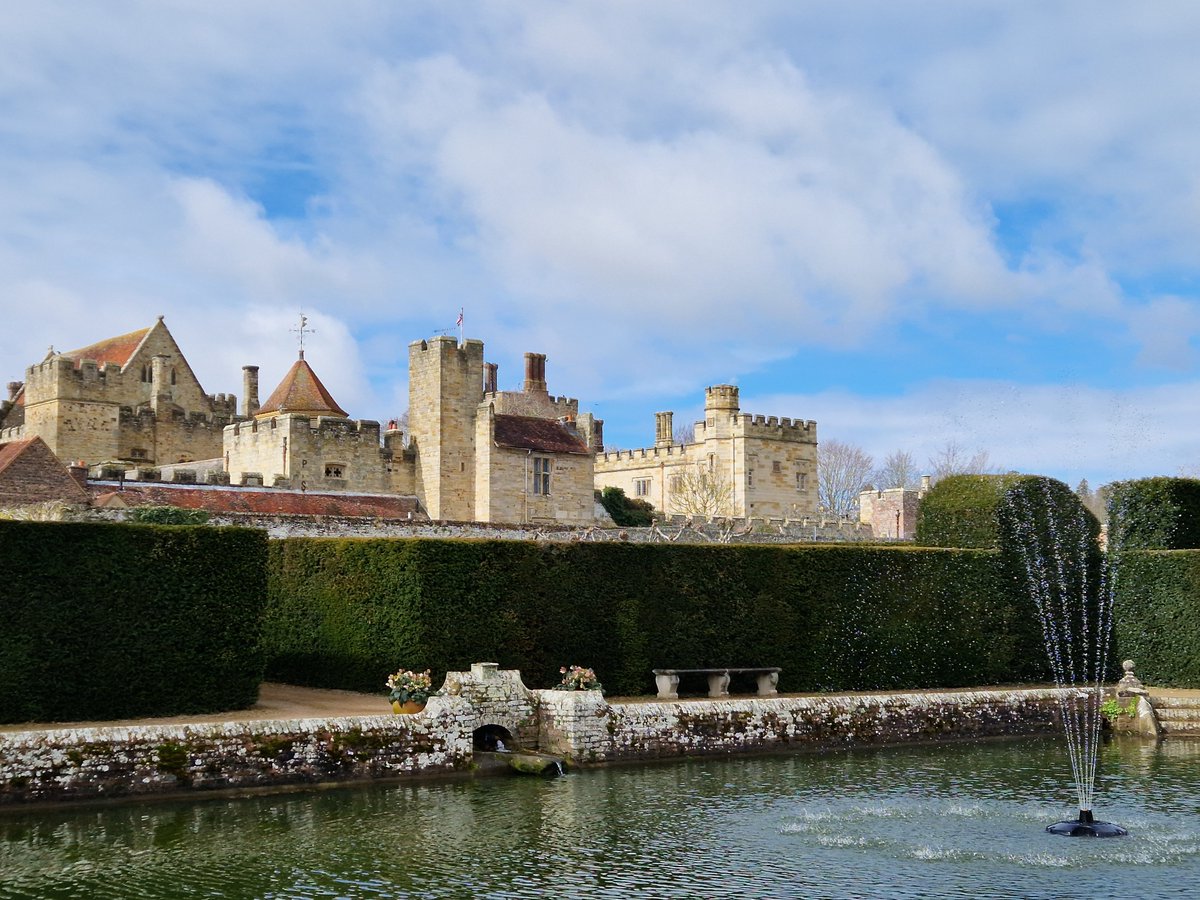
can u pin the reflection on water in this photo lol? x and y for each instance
(952, 821)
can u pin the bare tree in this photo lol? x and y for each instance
(843, 470)
(684, 434)
(954, 459)
(697, 491)
(899, 470)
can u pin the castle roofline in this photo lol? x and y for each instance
(117, 350)
(543, 435)
(301, 392)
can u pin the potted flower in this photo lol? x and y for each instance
(409, 691)
(577, 678)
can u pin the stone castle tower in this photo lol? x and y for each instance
(445, 388)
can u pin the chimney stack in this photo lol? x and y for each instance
(249, 391)
(535, 373)
(664, 429)
(14, 388)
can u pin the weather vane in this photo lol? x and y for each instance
(303, 330)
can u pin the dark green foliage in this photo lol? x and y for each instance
(628, 512)
(167, 515)
(114, 621)
(1157, 616)
(1050, 552)
(346, 613)
(960, 511)
(1155, 514)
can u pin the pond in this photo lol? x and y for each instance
(958, 820)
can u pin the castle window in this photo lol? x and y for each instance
(541, 475)
(137, 453)
(172, 376)
(641, 487)
(333, 470)
(776, 467)
(801, 481)
(145, 373)
(749, 478)
(676, 484)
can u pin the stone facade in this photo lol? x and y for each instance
(738, 465)
(892, 512)
(132, 398)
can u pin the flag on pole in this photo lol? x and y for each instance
(460, 317)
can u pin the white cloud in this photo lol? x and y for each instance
(1065, 431)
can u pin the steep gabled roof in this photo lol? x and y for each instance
(31, 473)
(117, 350)
(301, 392)
(542, 435)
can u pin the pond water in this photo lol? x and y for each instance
(959, 820)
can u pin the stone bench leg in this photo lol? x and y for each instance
(718, 685)
(767, 684)
(668, 686)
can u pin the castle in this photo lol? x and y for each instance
(471, 453)
(736, 465)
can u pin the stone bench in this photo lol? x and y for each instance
(718, 681)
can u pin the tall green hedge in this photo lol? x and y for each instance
(103, 621)
(1155, 514)
(1157, 615)
(960, 511)
(345, 613)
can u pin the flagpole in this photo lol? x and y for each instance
(460, 324)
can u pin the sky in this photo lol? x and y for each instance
(914, 223)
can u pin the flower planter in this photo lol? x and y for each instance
(407, 709)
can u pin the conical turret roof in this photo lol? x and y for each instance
(301, 392)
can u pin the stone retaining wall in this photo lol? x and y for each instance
(101, 762)
(584, 728)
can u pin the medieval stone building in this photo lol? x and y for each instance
(131, 398)
(737, 465)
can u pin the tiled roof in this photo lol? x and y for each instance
(301, 391)
(543, 435)
(10, 451)
(115, 350)
(265, 502)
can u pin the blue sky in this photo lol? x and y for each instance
(914, 223)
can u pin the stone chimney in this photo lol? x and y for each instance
(79, 472)
(664, 429)
(160, 388)
(14, 388)
(535, 373)
(490, 371)
(249, 390)
(925, 484)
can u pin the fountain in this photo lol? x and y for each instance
(1072, 588)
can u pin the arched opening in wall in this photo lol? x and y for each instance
(493, 737)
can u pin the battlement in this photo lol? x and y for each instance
(359, 430)
(675, 453)
(721, 398)
(775, 428)
(445, 345)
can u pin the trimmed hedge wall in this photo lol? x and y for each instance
(345, 613)
(1157, 615)
(960, 511)
(102, 621)
(1155, 514)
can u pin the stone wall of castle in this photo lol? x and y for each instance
(765, 466)
(504, 479)
(152, 409)
(891, 513)
(445, 388)
(323, 454)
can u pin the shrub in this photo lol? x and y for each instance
(101, 621)
(628, 512)
(960, 511)
(1155, 514)
(167, 515)
(832, 617)
(1157, 615)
